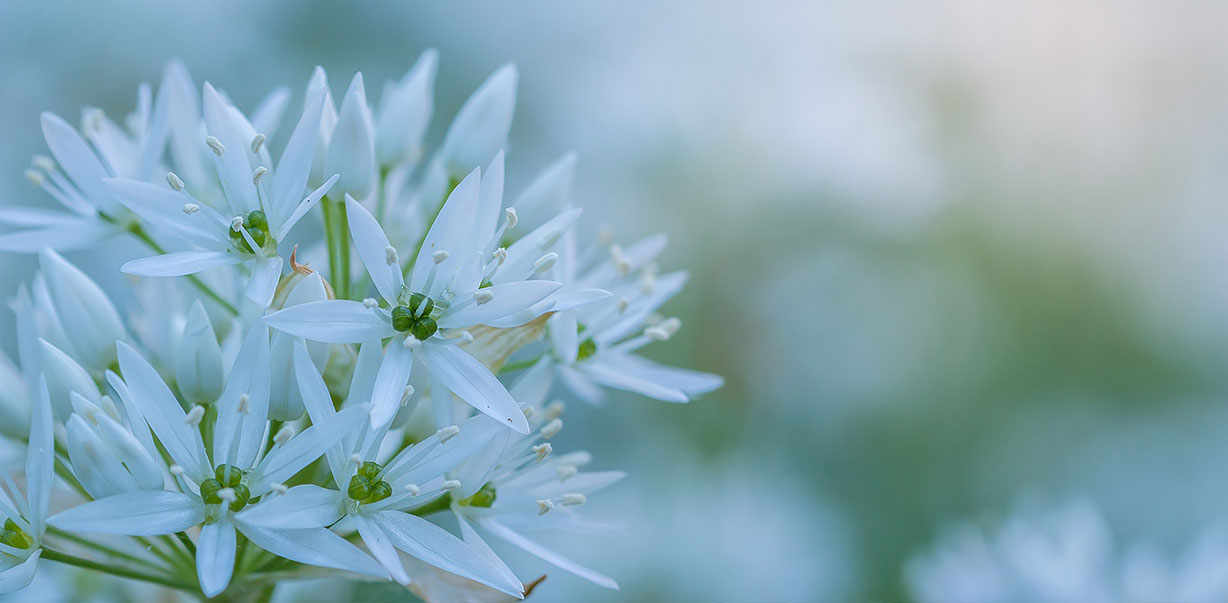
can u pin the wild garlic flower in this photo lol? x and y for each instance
(262, 413)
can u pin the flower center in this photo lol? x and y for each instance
(14, 537)
(415, 317)
(366, 487)
(257, 225)
(227, 477)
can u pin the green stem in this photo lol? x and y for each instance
(139, 232)
(153, 548)
(102, 548)
(187, 542)
(343, 237)
(330, 210)
(115, 571)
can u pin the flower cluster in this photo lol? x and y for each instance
(252, 417)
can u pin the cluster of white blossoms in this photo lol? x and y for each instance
(253, 417)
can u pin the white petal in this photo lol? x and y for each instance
(580, 384)
(319, 405)
(548, 195)
(161, 410)
(84, 310)
(162, 210)
(17, 215)
(525, 252)
(637, 255)
(40, 460)
(328, 121)
(451, 231)
(490, 201)
(332, 321)
(64, 237)
(234, 169)
(215, 557)
(484, 552)
(304, 206)
(64, 376)
(316, 546)
(100, 472)
(290, 178)
(390, 383)
(372, 245)
(351, 150)
(548, 555)
(262, 285)
(405, 112)
(139, 513)
(267, 116)
(633, 319)
(19, 576)
(531, 388)
(198, 359)
(564, 339)
(481, 126)
(691, 383)
(618, 377)
(180, 263)
(472, 382)
(509, 298)
(78, 161)
(434, 545)
(249, 376)
(306, 447)
(301, 507)
(381, 548)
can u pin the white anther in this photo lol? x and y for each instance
(621, 263)
(574, 499)
(543, 450)
(466, 336)
(173, 179)
(43, 163)
(190, 208)
(671, 325)
(623, 304)
(92, 120)
(545, 262)
(283, 435)
(34, 176)
(405, 395)
(258, 174)
(555, 409)
(356, 458)
(605, 235)
(544, 505)
(528, 412)
(450, 484)
(177, 470)
(413, 489)
(439, 256)
(236, 223)
(566, 472)
(227, 494)
(245, 403)
(500, 256)
(257, 142)
(280, 488)
(509, 214)
(657, 333)
(215, 145)
(551, 429)
(369, 303)
(390, 255)
(194, 416)
(411, 342)
(447, 433)
(483, 296)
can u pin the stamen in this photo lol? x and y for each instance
(528, 412)
(500, 255)
(621, 263)
(649, 279)
(555, 409)
(215, 145)
(244, 404)
(439, 256)
(447, 433)
(545, 262)
(405, 395)
(258, 174)
(91, 122)
(173, 179)
(574, 499)
(194, 416)
(483, 296)
(552, 428)
(177, 470)
(543, 450)
(257, 142)
(450, 484)
(411, 342)
(280, 488)
(356, 458)
(190, 208)
(227, 494)
(283, 435)
(544, 505)
(566, 472)
(43, 163)
(413, 489)
(509, 214)
(236, 223)
(466, 336)
(35, 177)
(657, 333)
(390, 255)
(370, 303)
(549, 240)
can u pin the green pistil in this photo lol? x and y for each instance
(228, 474)
(366, 487)
(588, 347)
(415, 318)
(257, 225)
(14, 537)
(242, 496)
(209, 491)
(484, 497)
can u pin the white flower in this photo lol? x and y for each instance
(405, 112)
(106, 458)
(262, 209)
(22, 536)
(198, 358)
(438, 297)
(351, 147)
(83, 311)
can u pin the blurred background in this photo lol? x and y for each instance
(947, 254)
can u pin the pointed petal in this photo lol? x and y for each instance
(449, 232)
(548, 195)
(155, 402)
(301, 507)
(691, 383)
(40, 460)
(618, 377)
(381, 548)
(332, 321)
(390, 383)
(267, 116)
(84, 310)
(249, 376)
(372, 245)
(304, 206)
(78, 161)
(464, 376)
(199, 375)
(162, 209)
(434, 545)
(215, 557)
(234, 169)
(290, 179)
(486, 554)
(64, 237)
(305, 448)
(509, 298)
(180, 263)
(139, 513)
(481, 126)
(547, 555)
(262, 285)
(319, 404)
(316, 546)
(21, 575)
(405, 112)
(351, 150)
(525, 252)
